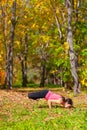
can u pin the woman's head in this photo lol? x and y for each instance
(68, 103)
(62, 100)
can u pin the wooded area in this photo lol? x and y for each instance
(43, 42)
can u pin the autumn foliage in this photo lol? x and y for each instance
(33, 41)
(2, 77)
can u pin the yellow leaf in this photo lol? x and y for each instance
(1, 52)
(25, 16)
(66, 45)
(45, 38)
(0, 58)
(75, 3)
(18, 43)
(9, 21)
(57, 10)
(82, 82)
(34, 25)
(86, 84)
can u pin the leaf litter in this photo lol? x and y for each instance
(11, 100)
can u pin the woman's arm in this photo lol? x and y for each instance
(50, 104)
(54, 101)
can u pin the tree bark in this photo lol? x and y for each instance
(43, 58)
(42, 83)
(71, 49)
(24, 63)
(24, 74)
(57, 21)
(4, 16)
(10, 47)
(23, 60)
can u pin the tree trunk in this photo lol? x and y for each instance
(23, 60)
(42, 83)
(4, 15)
(10, 49)
(57, 21)
(24, 74)
(71, 49)
(24, 63)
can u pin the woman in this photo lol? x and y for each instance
(51, 98)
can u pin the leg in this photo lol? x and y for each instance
(38, 95)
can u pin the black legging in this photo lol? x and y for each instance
(37, 95)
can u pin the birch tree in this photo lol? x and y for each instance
(10, 47)
(71, 48)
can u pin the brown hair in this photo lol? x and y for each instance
(69, 101)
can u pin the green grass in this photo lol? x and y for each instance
(21, 118)
(33, 85)
(24, 114)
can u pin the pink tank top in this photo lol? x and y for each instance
(52, 96)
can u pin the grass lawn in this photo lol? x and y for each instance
(17, 112)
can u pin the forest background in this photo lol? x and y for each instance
(43, 43)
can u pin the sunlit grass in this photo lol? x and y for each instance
(41, 118)
(17, 112)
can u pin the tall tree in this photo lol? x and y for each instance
(10, 47)
(71, 48)
(4, 26)
(23, 60)
(53, 4)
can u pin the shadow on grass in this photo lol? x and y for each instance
(54, 106)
